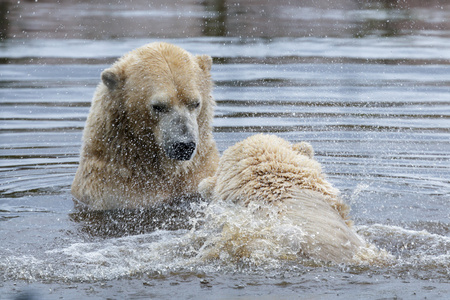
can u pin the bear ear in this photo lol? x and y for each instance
(204, 61)
(206, 187)
(110, 79)
(304, 148)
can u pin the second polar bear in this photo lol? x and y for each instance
(268, 169)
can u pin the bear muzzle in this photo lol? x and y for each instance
(181, 150)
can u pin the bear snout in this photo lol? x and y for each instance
(181, 150)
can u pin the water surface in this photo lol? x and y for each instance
(366, 83)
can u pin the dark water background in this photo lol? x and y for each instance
(366, 82)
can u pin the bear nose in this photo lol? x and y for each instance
(181, 150)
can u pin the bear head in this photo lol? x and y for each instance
(160, 96)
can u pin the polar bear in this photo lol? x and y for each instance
(267, 169)
(148, 137)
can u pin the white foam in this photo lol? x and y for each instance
(232, 237)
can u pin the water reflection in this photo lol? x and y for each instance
(4, 22)
(215, 21)
(250, 19)
(124, 222)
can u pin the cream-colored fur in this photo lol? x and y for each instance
(149, 99)
(264, 167)
(268, 169)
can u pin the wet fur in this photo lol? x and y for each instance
(267, 169)
(123, 163)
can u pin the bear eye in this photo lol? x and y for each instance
(160, 108)
(194, 105)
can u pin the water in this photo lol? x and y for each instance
(366, 83)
